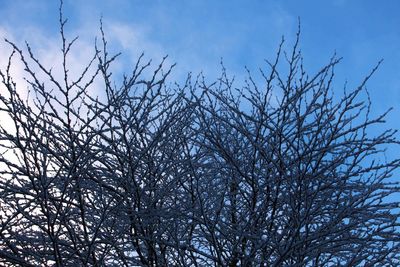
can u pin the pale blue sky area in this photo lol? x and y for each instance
(197, 34)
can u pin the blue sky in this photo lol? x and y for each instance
(197, 34)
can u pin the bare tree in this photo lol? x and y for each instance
(161, 174)
(293, 176)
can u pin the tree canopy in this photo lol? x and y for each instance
(272, 173)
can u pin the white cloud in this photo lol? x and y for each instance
(47, 49)
(17, 68)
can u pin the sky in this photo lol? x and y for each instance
(198, 34)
